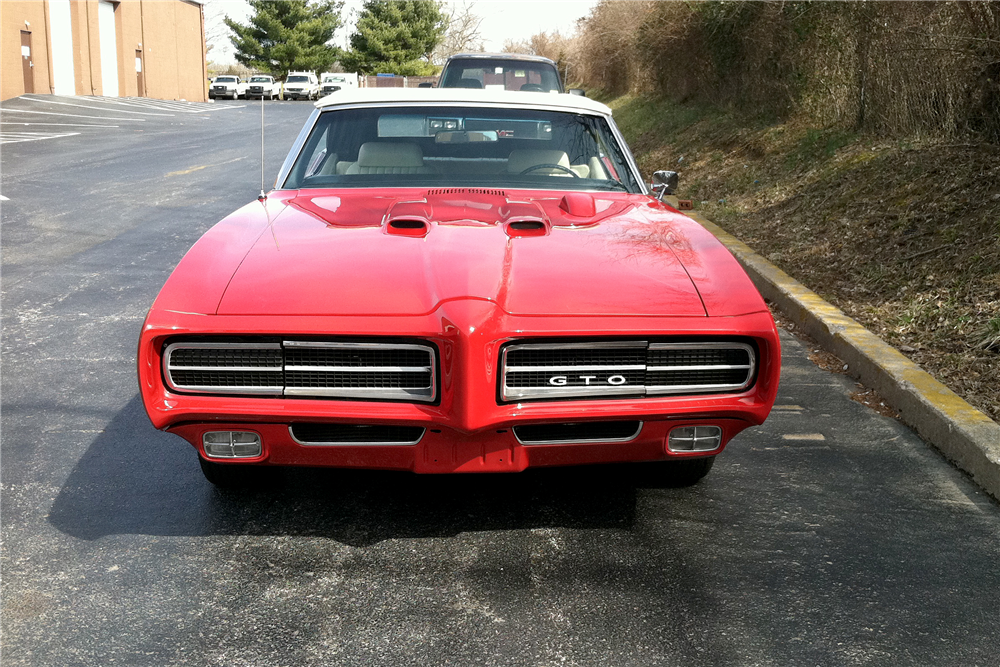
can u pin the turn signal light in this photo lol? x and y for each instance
(694, 439)
(231, 444)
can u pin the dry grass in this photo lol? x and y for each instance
(904, 237)
(890, 68)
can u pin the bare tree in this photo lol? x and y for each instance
(516, 46)
(462, 33)
(216, 32)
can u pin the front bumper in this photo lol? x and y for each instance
(445, 450)
(468, 429)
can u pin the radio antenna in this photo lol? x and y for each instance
(262, 196)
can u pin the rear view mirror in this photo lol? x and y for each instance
(464, 137)
(664, 183)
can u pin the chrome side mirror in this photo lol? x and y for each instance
(577, 91)
(664, 183)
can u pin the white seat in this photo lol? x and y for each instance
(518, 161)
(389, 158)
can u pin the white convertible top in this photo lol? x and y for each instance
(536, 100)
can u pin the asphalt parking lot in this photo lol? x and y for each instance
(831, 535)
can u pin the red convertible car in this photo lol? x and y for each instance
(452, 280)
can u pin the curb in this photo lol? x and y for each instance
(965, 435)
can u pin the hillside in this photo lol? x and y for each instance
(904, 236)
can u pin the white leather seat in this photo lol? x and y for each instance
(389, 158)
(518, 161)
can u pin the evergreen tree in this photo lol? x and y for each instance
(288, 35)
(396, 36)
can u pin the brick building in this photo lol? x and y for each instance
(143, 48)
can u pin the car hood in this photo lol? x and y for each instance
(364, 253)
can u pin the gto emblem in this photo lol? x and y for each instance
(562, 380)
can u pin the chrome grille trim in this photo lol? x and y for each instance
(574, 441)
(366, 442)
(669, 369)
(297, 368)
(341, 375)
(750, 367)
(171, 369)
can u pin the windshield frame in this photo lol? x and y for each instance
(459, 63)
(281, 182)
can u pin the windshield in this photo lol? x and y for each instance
(298, 79)
(225, 79)
(501, 74)
(260, 79)
(461, 146)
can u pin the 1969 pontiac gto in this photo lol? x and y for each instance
(457, 281)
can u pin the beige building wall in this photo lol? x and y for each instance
(168, 36)
(29, 16)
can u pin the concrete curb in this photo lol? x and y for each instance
(966, 436)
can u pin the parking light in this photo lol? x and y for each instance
(231, 444)
(694, 439)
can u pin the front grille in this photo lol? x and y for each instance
(355, 434)
(626, 368)
(349, 370)
(582, 432)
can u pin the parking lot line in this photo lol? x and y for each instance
(166, 105)
(84, 106)
(70, 115)
(9, 122)
(19, 137)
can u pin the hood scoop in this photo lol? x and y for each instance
(526, 228)
(407, 227)
(409, 218)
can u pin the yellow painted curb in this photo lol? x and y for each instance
(965, 435)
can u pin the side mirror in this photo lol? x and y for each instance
(664, 183)
(425, 84)
(577, 91)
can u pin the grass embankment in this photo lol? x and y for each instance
(904, 236)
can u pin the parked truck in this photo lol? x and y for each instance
(261, 86)
(334, 81)
(227, 86)
(300, 86)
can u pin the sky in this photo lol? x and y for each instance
(502, 20)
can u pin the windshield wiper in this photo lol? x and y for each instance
(613, 186)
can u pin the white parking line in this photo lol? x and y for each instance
(20, 137)
(9, 122)
(165, 105)
(71, 115)
(84, 106)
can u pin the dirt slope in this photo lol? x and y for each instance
(902, 236)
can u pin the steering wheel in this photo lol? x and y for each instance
(551, 166)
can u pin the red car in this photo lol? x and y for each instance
(451, 280)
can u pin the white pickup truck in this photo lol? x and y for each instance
(261, 86)
(227, 86)
(301, 86)
(334, 81)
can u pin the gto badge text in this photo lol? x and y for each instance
(561, 380)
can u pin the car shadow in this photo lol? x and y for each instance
(136, 480)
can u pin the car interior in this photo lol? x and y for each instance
(450, 146)
(501, 74)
